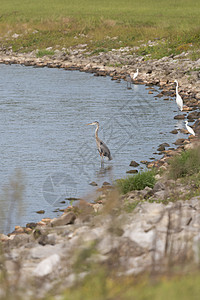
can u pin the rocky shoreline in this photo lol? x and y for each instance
(156, 234)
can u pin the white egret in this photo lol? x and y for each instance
(179, 100)
(189, 129)
(135, 75)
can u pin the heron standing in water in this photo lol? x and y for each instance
(128, 80)
(101, 146)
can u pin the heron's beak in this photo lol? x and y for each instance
(90, 124)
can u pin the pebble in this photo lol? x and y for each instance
(133, 164)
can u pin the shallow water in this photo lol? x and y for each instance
(43, 130)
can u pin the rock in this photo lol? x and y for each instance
(46, 266)
(133, 164)
(161, 148)
(165, 145)
(28, 230)
(41, 223)
(174, 131)
(179, 142)
(146, 192)
(31, 225)
(46, 220)
(160, 195)
(40, 211)
(39, 251)
(105, 183)
(93, 183)
(193, 115)
(145, 162)
(3, 237)
(132, 171)
(179, 117)
(65, 219)
(46, 239)
(158, 186)
(136, 233)
(19, 240)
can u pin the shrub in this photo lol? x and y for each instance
(137, 182)
(185, 164)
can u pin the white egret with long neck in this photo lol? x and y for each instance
(189, 129)
(135, 74)
(179, 100)
(101, 146)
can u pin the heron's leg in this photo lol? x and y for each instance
(102, 161)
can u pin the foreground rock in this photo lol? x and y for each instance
(151, 237)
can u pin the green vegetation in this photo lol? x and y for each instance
(44, 52)
(102, 25)
(137, 182)
(185, 164)
(130, 206)
(100, 286)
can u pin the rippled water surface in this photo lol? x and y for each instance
(43, 117)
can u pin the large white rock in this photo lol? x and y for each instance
(47, 265)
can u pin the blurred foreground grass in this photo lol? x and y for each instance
(100, 287)
(102, 24)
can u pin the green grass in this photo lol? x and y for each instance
(100, 286)
(185, 164)
(137, 182)
(101, 24)
(44, 52)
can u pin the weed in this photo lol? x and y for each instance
(185, 164)
(137, 182)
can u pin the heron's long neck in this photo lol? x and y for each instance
(96, 132)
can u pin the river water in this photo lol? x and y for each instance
(44, 137)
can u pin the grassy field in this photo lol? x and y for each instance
(100, 24)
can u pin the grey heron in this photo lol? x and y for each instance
(101, 146)
(189, 129)
(128, 80)
(179, 100)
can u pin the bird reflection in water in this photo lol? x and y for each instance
(104, 171)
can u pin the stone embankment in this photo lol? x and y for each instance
(154, 236)
(119, 63)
